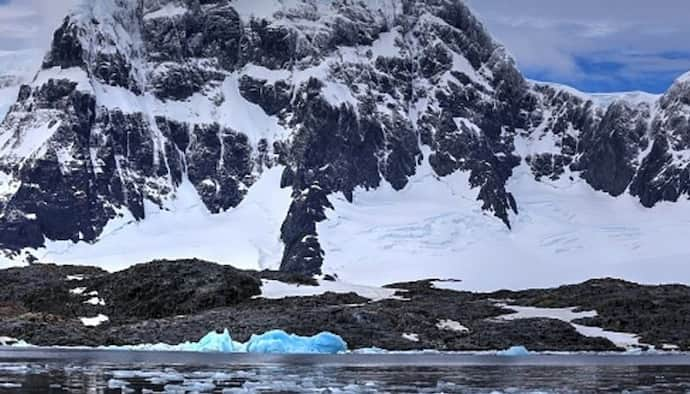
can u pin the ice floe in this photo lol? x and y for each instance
(515, 351)
(279, 341)
(276, 341)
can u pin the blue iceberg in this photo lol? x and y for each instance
(279, 341)
(212, 342)
(276, 341)
(515, 351)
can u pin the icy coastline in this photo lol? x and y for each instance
(271, 342)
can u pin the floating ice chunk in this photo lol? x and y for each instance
(515, 351)
(278, 341)
(212, 342)
(270, 342)
(116, 384)
(370, 350)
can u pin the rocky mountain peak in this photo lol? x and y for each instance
(138, 101)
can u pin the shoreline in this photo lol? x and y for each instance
(431, 359)
(175, 302)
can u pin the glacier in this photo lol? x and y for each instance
(566, 232)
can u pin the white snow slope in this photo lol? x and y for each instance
(246, 237)
(565, 233)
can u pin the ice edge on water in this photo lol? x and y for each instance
(275, 341)
(280, 342)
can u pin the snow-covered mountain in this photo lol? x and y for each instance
(380, 140)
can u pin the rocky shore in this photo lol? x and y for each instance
(178, 301)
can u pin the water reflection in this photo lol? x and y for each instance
(66, 378)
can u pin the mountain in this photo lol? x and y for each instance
(378, 140)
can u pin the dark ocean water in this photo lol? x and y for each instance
(121, 372)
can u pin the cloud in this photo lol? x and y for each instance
(30, 23)
(594, 44)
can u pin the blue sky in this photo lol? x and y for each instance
(599, 74)
(593, 45)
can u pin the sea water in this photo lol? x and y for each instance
(83, 371)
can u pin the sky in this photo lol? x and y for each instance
(26, 24)
(593, 45)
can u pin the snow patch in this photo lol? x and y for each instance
(620, 339)
(603, 100)
(95, 301)
(8, 341)
(411, 337)
(170, 10)
(272, 289)
(29, 140)
(564, 314)
(266, 74)
(94, 321)
(451, 325)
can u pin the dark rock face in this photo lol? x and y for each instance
(548, 165)
(170, 288)
(657, 313)
(303, 252)
(664, 174)
(658, 179)
(145, 303)
(343, 95)
(67, 50)
(609, 151)
(44, 289)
